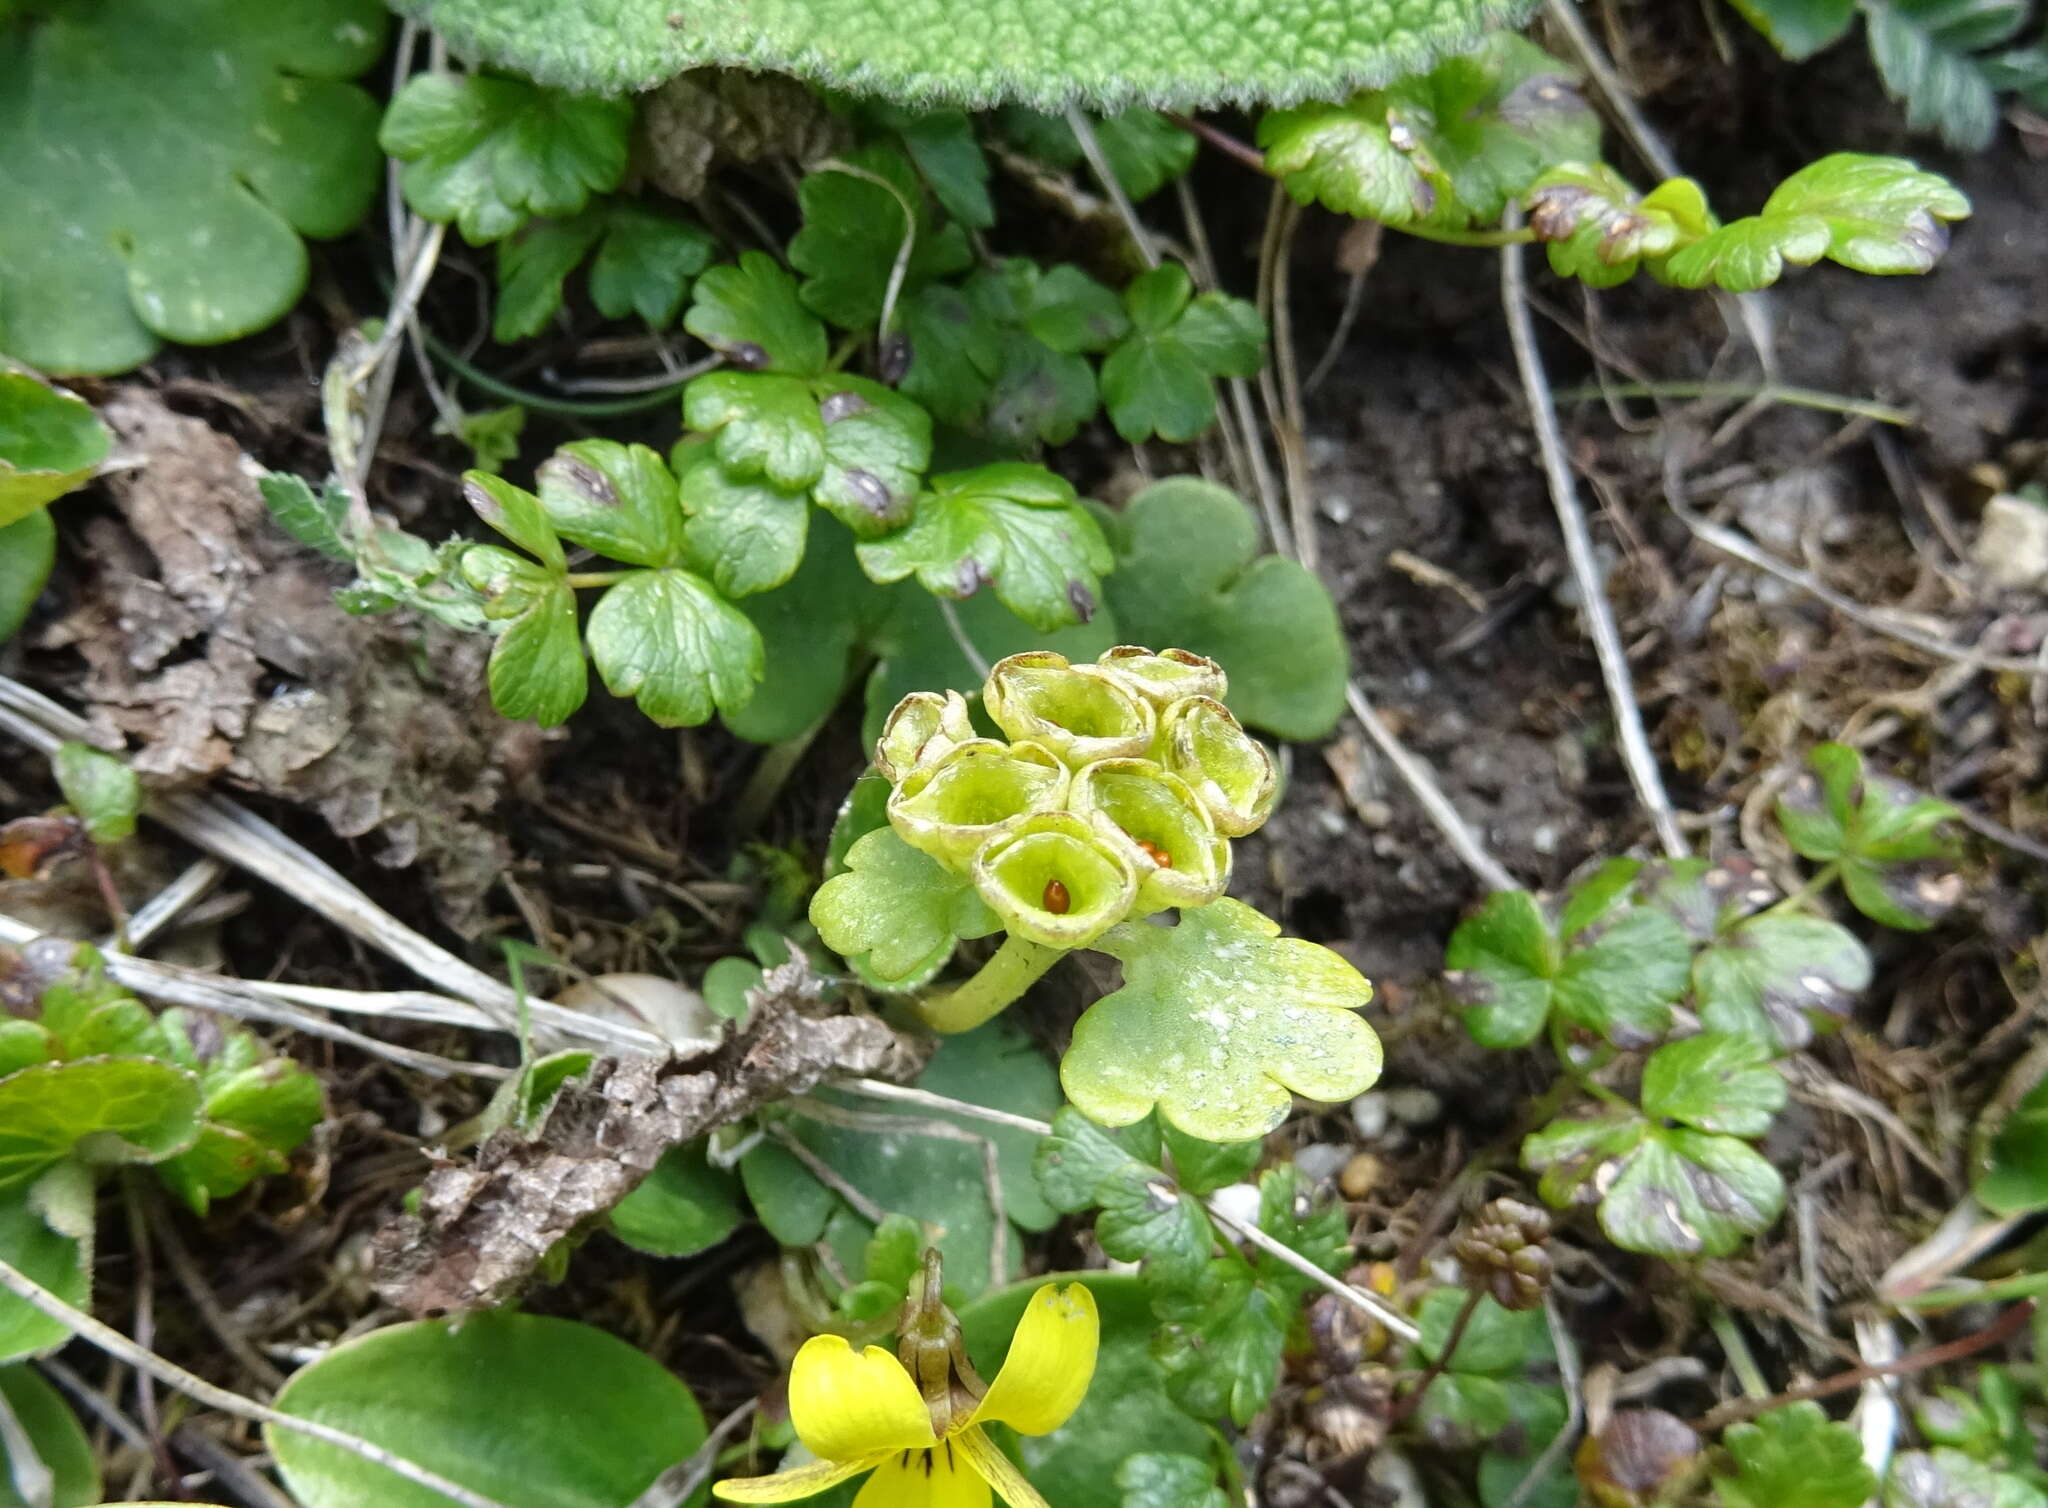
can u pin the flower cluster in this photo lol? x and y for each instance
(1115, 794)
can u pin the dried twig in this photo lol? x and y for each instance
(1389, 1318)
(675, 1485)
(114, 1343)
(1098, 164)
(1578, 542)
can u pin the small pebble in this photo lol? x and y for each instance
(1321, 1161)
(1369, 1114)
(1239, 1202)
(1412, 1105)
(1360, 1177)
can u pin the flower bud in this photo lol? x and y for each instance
(952, 805)
(1165, 677)
(1054, 880)
(1163, 831)
(1225, 766)
(1077, 711)
(923, 727)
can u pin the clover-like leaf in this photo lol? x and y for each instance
(536, 669)
(1451, 146)
(1778, 976)
(100, 1110)
(1883, 214)
(619, 500)
(1159, 380)
(747, 536)
(1747, 254)
(50, 441)
(119, 232)
(1794, 1457)
(1219, 1022)
(897, 913)
(858, 212)
(644, 264)
(1012, 525)
(489, 153)
(1718, 1081)
(1663, 1192)
(534, 264)
(1189, 573)
(1616, 972)
(1890, 842)
(749, 312)
(100, 788)
(1947, 1478)
(669, 641)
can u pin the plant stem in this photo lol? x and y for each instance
(1736, 1349)
(1018, 964)
(594, 579)
(1822, 878)
(1770, 392)
(1406, 1405)
(1583, 1077)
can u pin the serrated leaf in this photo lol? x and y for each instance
(949, 52)
(1925, 51)
(1717, 1081)
(1202, 1166)
(1884, 215)
(1151, 1479)
(1320, 1232)
(749, 312)
(1219, 1022)
(102, 1110)
(1077, 1160)
(1146, 1219)
(747, 536)
(763, 424)
(536, 669)
(1799, 28)
(1778, 976)
(317, 520)
(488, 153)
(854, 231)
(28, 551)
(1189, 573)
(1794, 1457)
(669, 641)
(897, 913)
(646, 263)
(1015, 526)
(534, 264)
(120, 232)
(1159, 378)
(1220, 1343)
(100, 788)
(50, 440)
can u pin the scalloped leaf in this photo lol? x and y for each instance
(1794, 1455)
(1219, 1023)
(102, 1110)
(121, 232)
(896, 912)
(1169, 53)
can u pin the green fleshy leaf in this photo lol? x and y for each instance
(1152, 1480)
(534, 264)
(1220, 1342)
(50, 441)
(1778, 976)
(2016, 1182)
(28, 550)
(518, 515)
(853, 234)
(488, 153)
(619, 500)
(683, 1207)
(764, 425)
(1715, 1082)
(877, 446)
(60, 1263)
(100, 788)
(897, 913)
(749, 312)
(121, 232)
(1449, 147)
(54, 1433)
(1599, 230)
(669, 641)
(747, 536)
(536, 670)
(104, 1111)
(221, 1162)
(1189, 574)
(646, 263)
(1219, 1022)
(1799, 28)
(1794, 1457)
(1747, 254)
(412, 1390)
(1169, 58)
(1159, 379)
(1013, 525)
(319, 521)
(1668, 1193)
(1884, 215)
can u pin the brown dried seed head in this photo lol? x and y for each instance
(1502, 1252)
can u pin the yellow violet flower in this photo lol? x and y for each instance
(920, 1431)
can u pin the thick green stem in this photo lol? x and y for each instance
(1798, 900)
(1018, 964)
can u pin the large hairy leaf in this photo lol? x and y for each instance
(159, 160)
(1048, 52)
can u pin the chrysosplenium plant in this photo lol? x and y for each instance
(1111, 797)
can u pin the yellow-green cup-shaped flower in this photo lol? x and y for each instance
(1164, 677)
(1079, 712)
(1225, 766)
(1161, 827)
(1054, 879)
(951, 806)
(922, 728)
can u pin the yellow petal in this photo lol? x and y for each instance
(986, 1457)
(1051, 1361)
(787, 1486)
(939, 1478)
(846, 1407)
